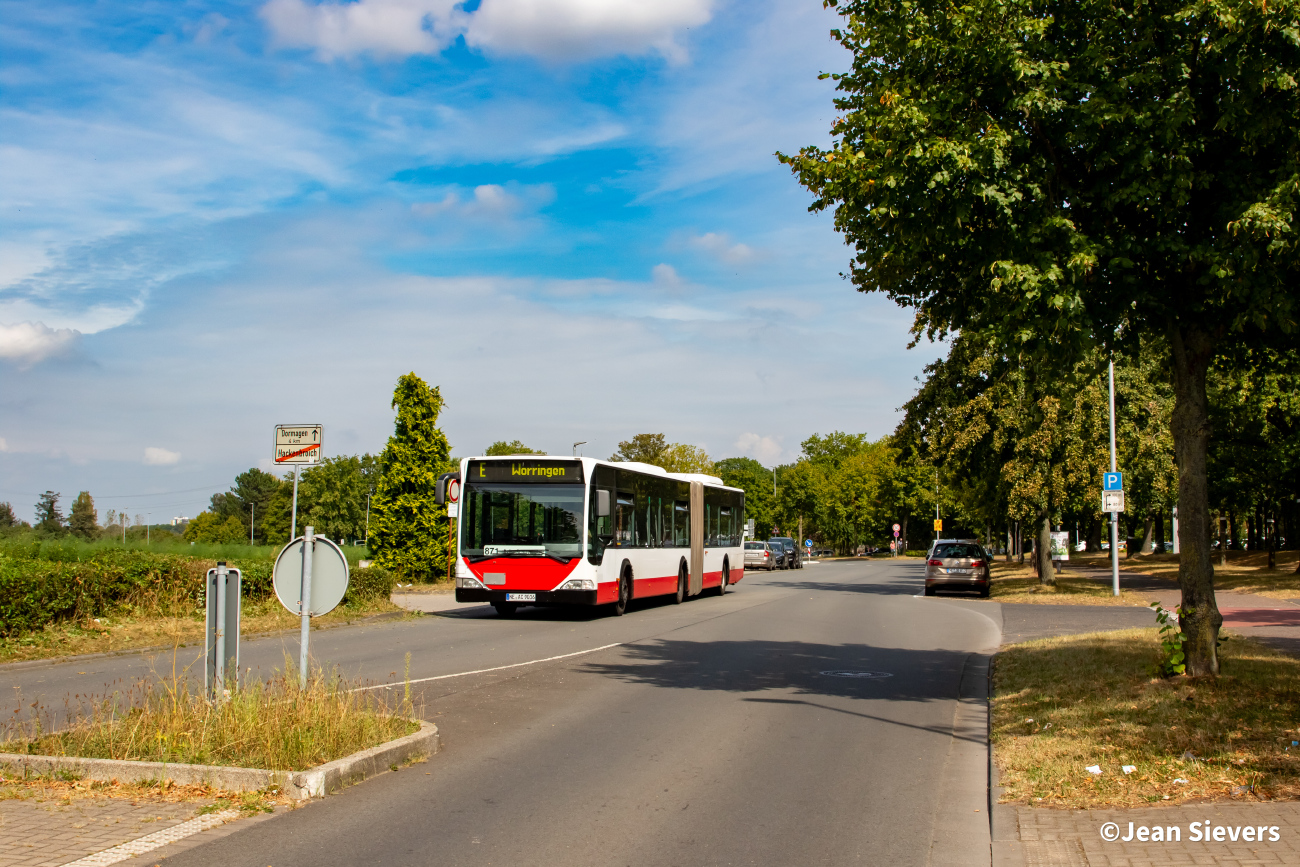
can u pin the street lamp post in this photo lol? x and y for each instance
(575, 447)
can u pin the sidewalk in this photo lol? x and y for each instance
(1073, 838)
(54, 832)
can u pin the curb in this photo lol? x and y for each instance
(314, 783)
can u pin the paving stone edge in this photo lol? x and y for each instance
(317, 782)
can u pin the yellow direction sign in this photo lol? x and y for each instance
(298, 443)
(938, 525)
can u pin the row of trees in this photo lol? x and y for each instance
(83, 521)
(1111, 178)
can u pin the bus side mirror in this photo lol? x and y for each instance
(440, 490)
(602, 504)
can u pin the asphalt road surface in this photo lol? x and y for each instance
(807, 717)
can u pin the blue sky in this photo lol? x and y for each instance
(218, 217)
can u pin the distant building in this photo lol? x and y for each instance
(180, 522)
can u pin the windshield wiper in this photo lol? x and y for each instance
(479, 558)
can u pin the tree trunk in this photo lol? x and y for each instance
(1148, 537)
(1020, 545)
(1043, 550)
(1160, 531)
(1010, 542)
(904, 551)
(1233, 535)
(1190, 425)
(1095, 526)
(1272, 543)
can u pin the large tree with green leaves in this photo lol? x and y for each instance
(408, 529)
(83, 521)
(1073, 173)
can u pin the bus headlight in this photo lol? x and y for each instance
(468, 582)
(578, 584)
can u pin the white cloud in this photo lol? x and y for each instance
(156, 457)
(394, 28)
(4, 446)
(666, 275)
(765, 450)
(719, 246)
(492, 202)
(551, 29)
(30, 342)
(581, 29)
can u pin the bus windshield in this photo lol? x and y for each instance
(521, 520)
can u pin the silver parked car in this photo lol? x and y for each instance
(960, 564)
(759, 555)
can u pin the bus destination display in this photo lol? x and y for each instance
(516, 471)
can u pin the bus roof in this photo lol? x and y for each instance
(638, 466)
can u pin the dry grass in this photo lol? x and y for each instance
(165, 626)
(64, 792)
(1246, 572)
(1063, 704)
(1015, 583)
(273, 724)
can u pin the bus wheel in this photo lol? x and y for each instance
(624, 592)
(505, 609)
(726, 579)
(681, 586)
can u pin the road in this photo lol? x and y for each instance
(713, 732)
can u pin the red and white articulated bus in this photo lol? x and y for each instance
(581, 531)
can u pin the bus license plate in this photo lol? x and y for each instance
(521, 597)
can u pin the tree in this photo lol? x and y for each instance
(1078, 174)
(645, 448)
(514, 447)
(756, 481)
(332, 498)
(7, 517)
(408, 530)
(212, 527)
(683, 458)
(49, 519)
(84, 521)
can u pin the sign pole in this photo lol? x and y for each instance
(293, 519)
(1114, 516)
(308, 543)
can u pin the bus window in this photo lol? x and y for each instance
(724, 527)
(665, 523)
(682, 525)
(625, 521)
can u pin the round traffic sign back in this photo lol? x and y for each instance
(329, 576)
(453, 490)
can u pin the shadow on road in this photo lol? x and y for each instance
(787, 669)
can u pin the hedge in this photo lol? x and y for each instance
(38, 592)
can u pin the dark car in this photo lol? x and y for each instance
(793, 556)
(959, 564)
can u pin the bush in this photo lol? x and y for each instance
(374, 582)
(36, 591)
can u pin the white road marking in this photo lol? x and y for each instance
(486, 670)
(156, 840)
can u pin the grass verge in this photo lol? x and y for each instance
(1014, 583)
(1063, 704)
(273, 724)
(134, 629)
(1246, 572)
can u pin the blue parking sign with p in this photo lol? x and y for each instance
(1112, 481)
